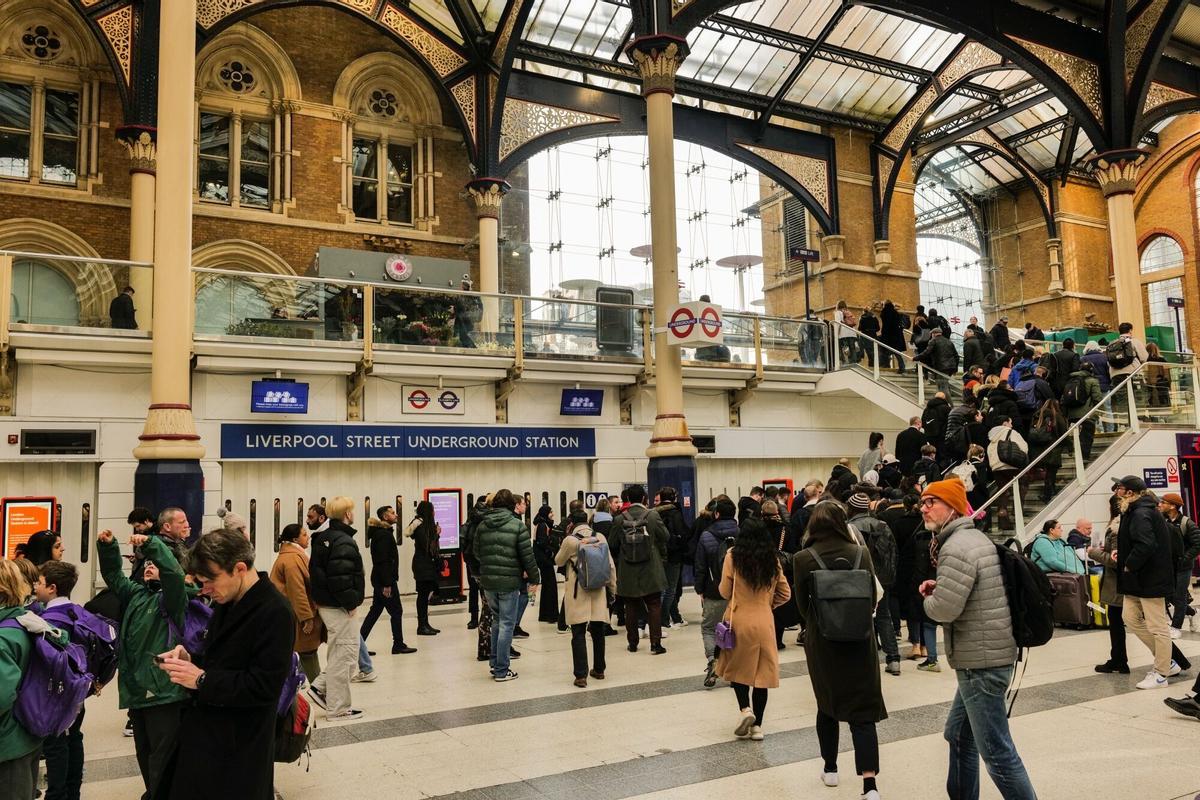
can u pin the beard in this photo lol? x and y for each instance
(1127, 501)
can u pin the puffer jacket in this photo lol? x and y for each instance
(505, 552)
(385, 557)
(336, 568)
(1145, 567)
(969, 599)
(882, 545)
(708, 557)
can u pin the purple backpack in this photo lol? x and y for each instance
(291, 687)
(54, 686)
(97, 636)
(196, 618)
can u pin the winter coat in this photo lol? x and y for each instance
(644, 577)
(1109, 595)
(505, 552)
(844, 675)
(678, 535)
(1002, 401)
(999, 334)
(891, 476)
(1145, 567)
(144, 630)
(122, 312)
(580, 604)
(926, 471)
(970, 600)
(891, 328)
(1021, 370)
(1099, 364)
(1191, 541)
(974, 353)
(754, 660)
(385, 557)
(908, 447)
(336, 568)
(993, 448)
(16, 645)
(796, 524)
(426, 557)
(933, 420)
(904, 526)
(1066, 362)
(840, 481)
(957, 438)
(1055, 555)
(748, 507)
(1091, 385)
(229, 722)
(707, 567)
(876, 533)
(940, 355)
(289, 573)
(868, 325)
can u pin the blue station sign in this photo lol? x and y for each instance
(310, 442)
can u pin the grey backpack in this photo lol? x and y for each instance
(843, 600)
(591, 563)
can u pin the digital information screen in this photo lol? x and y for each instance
(278, 397)
(447, 512)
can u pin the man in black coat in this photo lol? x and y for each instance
(336, 571)
(228, 728)
(908, 444)
(750, 506)
(385, 575)
(974, 354)
(1066, 361)
(1146, 576)
(933, 421)
(1000, 338)
(121, 310)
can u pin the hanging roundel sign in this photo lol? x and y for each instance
(398, 268)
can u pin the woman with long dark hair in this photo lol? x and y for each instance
(754, 584)
(425, 532)
(44, 546)
(545, 548)
(844, 675)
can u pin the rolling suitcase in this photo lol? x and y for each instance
(1071, 596)
(1099, 618)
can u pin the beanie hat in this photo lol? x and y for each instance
(231, 521)
(859, 501)
(1092, 347)
(1173, 499)
(952, 492)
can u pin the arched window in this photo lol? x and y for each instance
(1163, 254)
(247, 91)
(41, 295)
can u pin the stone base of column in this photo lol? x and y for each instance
(670, 437)
(169, 434)
(678, 472)
(883, 255)
(171, 482)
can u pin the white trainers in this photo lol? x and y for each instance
(744, 724)
(756, 734)
(683, 623)
(1176, 633)
(364, 677)
(1174, 670)
(1152, 681)
(871, 795)
(1194, 623)
(830, 779)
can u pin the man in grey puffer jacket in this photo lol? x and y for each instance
(969, 600)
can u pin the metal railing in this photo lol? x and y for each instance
(949, 384)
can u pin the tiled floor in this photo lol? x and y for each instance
(436, 725)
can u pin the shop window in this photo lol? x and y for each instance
(39, 133)
(388, 197)
(235, 152)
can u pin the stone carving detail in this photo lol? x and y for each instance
(523, 122)
(237, 76)
(972, 57)
(1137, 36)
(487, 195)
(1080, 74)
(464, 96)
(142, 151)
(904, 125)
(442, 58)
(885, 166)
(382, 102)
(1160, 94)
(811, 173)
(118, 29)
(1118, 176)
(210, 12)
(41, 42)
(658, 68)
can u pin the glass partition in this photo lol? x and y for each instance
(277, 307)
(407, 318)
(794, 344)
(558, 327)
(70, 292)
(737, 349)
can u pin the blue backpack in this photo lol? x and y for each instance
(95, 634)
(53, 687)
(1027, 394)
(196, 618)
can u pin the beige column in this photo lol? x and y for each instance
(658, 59)
(1117, 174)
(170, 432)
(1054, 257)
(139, 142)
(487, 194)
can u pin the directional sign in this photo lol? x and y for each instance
(804, 254)
(1174, 302)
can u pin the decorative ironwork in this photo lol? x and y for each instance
(1082, 75)
(1137, 36)
(41, 42)
(1160, 94)
(958, 229)
(117, 27)
(464, 95)
(884, 164)
(505, 33)
(237, 77)
(438, 55)
(365, 6)
(971, 58)
(986, 138)
(523, 121)
(210, 12)
(811, 173)
(903, 126)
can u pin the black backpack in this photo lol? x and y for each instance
(843, 601)
(1075, 394)
(1120, 353)
(882, 545)
(635, 541)
(1030, 598)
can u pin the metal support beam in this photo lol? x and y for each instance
(981, 124)
(805, 59)
(1011, 96)
(1066, 152)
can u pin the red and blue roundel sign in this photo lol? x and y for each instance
(695, 323)
(418, 399)
(434, 400)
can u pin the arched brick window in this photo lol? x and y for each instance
(1162, 254)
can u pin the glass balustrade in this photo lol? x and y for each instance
(52, 292)
(794, 344)
(900, 372)
(580, 329)
(277, 307)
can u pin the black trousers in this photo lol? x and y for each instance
(155, 733)
(1087, 435)
(473, 597)
(758, 704)
(64, 762)
(395, 613)
(579, 632)
(425, 590)
(652, 603)
(866, 744)
(1116, 637)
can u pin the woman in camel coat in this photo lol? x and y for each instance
(586, 610)
(754, 584)
(289, 573)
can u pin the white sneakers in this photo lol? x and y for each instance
(1194, 623)
(1174, 670)
(364, 677)
(1152, 681)
(744, 724)
(1176, 633)
(756, 734)
(871, 795)
(830, 779)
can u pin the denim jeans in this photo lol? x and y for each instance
(1182, 600)
(977, 727)
(668, 594)
(506, 610)
(929, 639)
(364, 657)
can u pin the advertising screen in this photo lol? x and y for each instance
(447, 512)
(279, 397)
(23, 517)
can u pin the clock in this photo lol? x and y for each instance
(398, 268)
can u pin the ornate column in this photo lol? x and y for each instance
(169, 454)
(139, 141)
(988, 273)
(1054, 256)
(671, 451)
(487, 194)
(1117, 173)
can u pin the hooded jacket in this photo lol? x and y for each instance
(385, 557)
(709, 559)
(336, 568)
(1092, 386)
(1095, 356)
(1144, 564)
(505, 552)
(645, 577)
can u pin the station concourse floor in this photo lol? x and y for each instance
(436, 725)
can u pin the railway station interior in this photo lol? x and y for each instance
(266, 254)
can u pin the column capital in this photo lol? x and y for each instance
(487, 192)
(140, 142)
(1117, 170)
(658, 57)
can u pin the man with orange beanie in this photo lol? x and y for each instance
(968, 599)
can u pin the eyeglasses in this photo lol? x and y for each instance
(927, 502)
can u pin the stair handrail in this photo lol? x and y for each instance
(878, 345)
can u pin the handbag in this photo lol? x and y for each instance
(724, 635)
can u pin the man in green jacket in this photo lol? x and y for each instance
(1077, 402)
(638, 542)
(505, 553)
(154, 702)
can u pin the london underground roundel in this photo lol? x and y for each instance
(418, 399)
